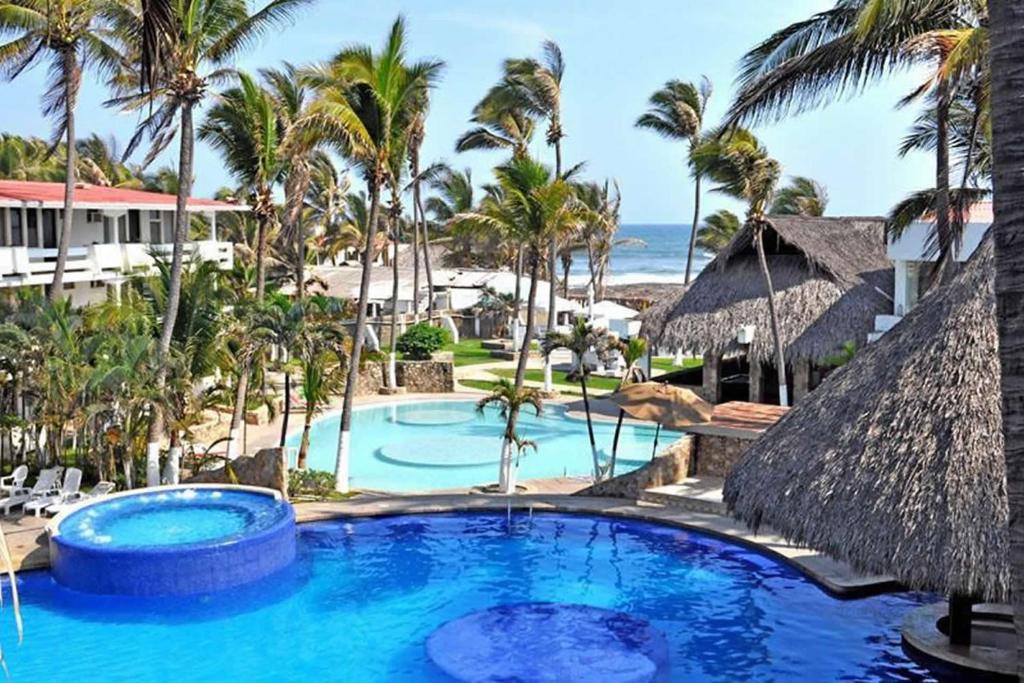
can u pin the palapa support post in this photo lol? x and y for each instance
(961, 613)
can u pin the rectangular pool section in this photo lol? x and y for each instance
(419, 446)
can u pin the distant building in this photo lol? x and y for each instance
(114, 234)
(912, 266)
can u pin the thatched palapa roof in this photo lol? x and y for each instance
(895, 463)
(831, 278)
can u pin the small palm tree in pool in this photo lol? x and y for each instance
(511, 402)
(583, 338)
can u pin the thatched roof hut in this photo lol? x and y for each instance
(895, 464)
(831, 278)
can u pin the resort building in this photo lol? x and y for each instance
(115, 234)
(831, 278)
(913, 259)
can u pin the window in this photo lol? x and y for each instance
(156, 226)
(33, 224)
(17, 238)
(134, 227)
(49, 229)
(69, 286)
(96, 284)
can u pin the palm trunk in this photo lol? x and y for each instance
(185, 161)
(71, 76)
(780, 358)
(946, 264)
(392, 356)
(531, 309)
(1007, 40)
(615, 444)
(518, 295)
(300, 267)
(590, 422)
(261, 255)
(344, 435)
(304, 444)
(415, 243)
(287, 407)
(693, 229)
(566, 269)
(417, 197)
(238, 412)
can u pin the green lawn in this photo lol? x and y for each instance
(558, 377)
(664, 364)
(469, 352)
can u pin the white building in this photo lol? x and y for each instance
(912, 267)
(114, 233)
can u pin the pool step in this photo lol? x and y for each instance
(696, 494)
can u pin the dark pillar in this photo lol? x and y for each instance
(960, 615)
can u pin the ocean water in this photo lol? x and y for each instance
(405, 599)
(662, 257)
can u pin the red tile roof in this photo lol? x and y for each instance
(92, 196)
(979, 212)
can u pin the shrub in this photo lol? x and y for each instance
(310, 483)
(421, 340)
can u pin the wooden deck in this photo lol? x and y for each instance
(751, 417)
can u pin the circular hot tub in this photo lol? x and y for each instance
(172, 540)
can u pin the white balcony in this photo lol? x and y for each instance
(23, 266)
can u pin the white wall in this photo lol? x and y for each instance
(911, 246)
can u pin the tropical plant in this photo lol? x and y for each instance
(174, 58)
(499, 126)
(802, 197)
(243, 126)
(632, 352)
(597, 232)
(718, 230)
(69, 34)
(423, 339)
(530, 208)
(741, 166)
(582, 340)
(676, 112)
(361, 99)
(511, 400)
(1007, 124)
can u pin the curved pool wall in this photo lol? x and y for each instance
(410, 446)
(172, 540)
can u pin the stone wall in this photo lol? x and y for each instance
(371, 378)
(670, 466)
(711, 372)
(716, 455)
(426, 376)
(268, 468)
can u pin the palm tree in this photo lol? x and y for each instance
(584, 338)
(498, 128)
(176, 59)
(718, 230)
(632, 352)
(511, 400)
(361, 97)
(320, 364)
(531, 208)
(1007, 127)
(242, 125)
(70, 34)
(740, 165)
(813, 62)
(677, 112)
(598, 231)
(802, 197)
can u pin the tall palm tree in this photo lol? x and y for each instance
(1008, 153)
(598, 231)
(243, 126)
(632, 352)
(802, 197)
(741, 166)
(498, 128)
(531, 209)
(584, 338)
(511, 400)
(858, 42)
(677, 112)
(361, 96)
(178, 52)
(69, 34)
(718, 230)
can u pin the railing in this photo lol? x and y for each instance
(32, 266)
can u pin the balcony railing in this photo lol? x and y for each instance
(29, 266)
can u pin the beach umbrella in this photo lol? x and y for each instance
(663, 404)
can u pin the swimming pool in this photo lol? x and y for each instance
(418, 446)
(366, 596)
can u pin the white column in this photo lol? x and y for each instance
(213, 226)
(900, 293)
(39, 226)
(24, 225)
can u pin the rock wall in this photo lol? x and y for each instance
(716, 455)
(371, 378)
(426, 376)
(268, 468)
(670, 466)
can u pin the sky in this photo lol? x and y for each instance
(617, 54)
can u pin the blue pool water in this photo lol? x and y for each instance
(172, 518)
(366, 598)
(447, 444)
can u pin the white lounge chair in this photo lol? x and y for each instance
(15, 481)
(103, 488)
(68, 491)
(46, 484)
